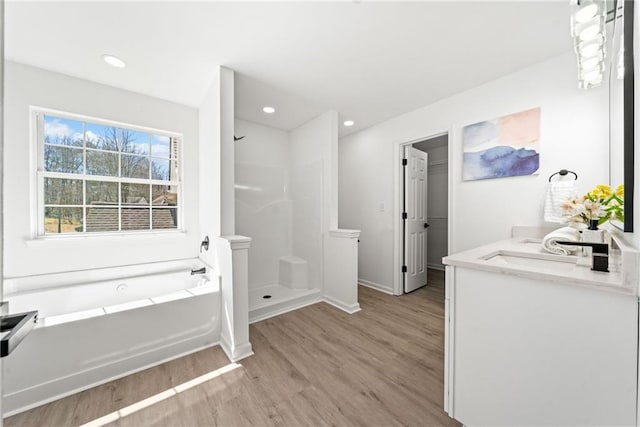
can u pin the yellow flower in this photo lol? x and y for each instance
(601, 191)
(620, 191)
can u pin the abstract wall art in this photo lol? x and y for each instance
(502, 147)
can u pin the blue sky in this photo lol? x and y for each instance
(58, 127)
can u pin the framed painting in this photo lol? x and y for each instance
(502, 147)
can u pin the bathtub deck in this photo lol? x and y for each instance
(313, 366)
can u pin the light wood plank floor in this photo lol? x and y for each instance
(382, 366)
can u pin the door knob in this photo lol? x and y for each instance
(426, 225)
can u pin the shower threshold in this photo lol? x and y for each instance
(271, 300)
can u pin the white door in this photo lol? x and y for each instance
(415, 222)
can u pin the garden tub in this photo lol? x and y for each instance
(122, 321)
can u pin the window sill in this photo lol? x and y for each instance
(116, 239)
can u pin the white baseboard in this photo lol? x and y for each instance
(14, 398)
(376, 286)
(435, 266)
(238, 352)
(349, 308)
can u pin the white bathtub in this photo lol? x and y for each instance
(90, 333)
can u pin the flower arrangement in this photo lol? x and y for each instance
(596, 207)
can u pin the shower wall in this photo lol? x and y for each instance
(306, 221)
(312, 160)
(263, 205)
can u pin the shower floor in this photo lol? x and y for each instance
(281, 299)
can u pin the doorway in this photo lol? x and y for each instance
(423, 229)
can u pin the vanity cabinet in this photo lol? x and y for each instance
(526, 351)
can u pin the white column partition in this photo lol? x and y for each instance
(233, 259)
(228, 254)
(341, 269)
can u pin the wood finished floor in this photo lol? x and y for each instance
(315, 366)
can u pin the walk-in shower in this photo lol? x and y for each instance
(279, 205)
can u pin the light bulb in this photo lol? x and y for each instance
(592, 76)
(590, 32)
(590, 48)
(590, 63)
(585, 13)
(595, 81)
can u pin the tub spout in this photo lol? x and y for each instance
(202, 270)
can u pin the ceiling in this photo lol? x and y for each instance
(369, 61)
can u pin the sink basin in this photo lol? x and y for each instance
(537, 261)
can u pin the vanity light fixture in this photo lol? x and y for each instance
(114, 61)
(349, 123)
(268, 110)
(589, 33)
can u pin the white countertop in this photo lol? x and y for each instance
(619, 279)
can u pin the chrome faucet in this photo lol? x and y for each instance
(599, 256)
(202, 270)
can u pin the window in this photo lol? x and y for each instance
(100, 177)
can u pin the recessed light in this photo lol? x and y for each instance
(269, 110)
(349, 123)
(114, 61)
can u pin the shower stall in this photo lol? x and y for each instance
(279, 204)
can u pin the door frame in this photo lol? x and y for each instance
(398, 193)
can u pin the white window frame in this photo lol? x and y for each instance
(37, 188)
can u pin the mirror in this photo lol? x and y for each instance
(621, 99)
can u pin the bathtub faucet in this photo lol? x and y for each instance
(205, 244)
(202, 270)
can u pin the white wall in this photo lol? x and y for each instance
(226, 154)
(27, 86)
(263, 208)
(209, 168)
(437, 199)
(574, 135)
(216, 204)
